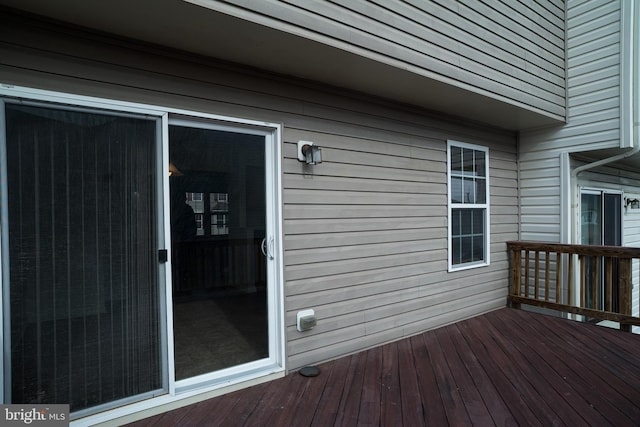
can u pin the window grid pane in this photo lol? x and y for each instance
(468, 225)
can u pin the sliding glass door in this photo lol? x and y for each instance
(600, 224)
(218, 234)
(83, 323)
(137, 253)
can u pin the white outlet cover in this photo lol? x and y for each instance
(301, 314)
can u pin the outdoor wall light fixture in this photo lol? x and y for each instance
(309, 153)
(632, 203)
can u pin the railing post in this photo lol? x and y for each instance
(516, 259)
(625, 279)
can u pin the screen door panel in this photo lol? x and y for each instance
(84, 302)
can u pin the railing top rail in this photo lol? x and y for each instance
(589, 250)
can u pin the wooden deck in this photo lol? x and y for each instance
(509, 367)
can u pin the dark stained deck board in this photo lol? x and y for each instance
(499, 411)
(562, 398)
(409, 388)
(454, 406)
(542, 376)
(469, 391)
(432, 405)
(507, 367)
(595, 376)
(521, 383)
(371, 391)
(326, 410)
(349, 408)
(390, 398)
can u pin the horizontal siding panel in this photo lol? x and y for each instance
(306, 241)
(329, 268)
(540, 191)
(594, 79)
(337, 225)
(539, 183)
(606, 40)
(375, 325)
(302, 196)
(583, 18)
(594, 62)
(344, 300)
(322, 212)
(603, 93)
(360, 252)
(540, 237)
(537, 209)
(291, 166)
(410, 145)
(508, 15)
(350, 281)
(333, 183)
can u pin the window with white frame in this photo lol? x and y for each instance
(468, 179)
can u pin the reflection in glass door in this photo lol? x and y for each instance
(218, 227)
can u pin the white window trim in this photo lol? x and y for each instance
(450, 206)
(238, 378)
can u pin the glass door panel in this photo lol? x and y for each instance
(601, 224)
(219, 273)
(84, 304)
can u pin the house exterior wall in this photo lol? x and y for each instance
(593, 106)
(365, 232)
(512, 51)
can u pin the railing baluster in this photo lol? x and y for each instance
(526, 274)
(570, 268)
(583, 279)
(558, 276)
(595, 282)
(608, 283)
(536, 276)
(547, 265)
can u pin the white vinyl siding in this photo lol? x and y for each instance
(593, 103)
(365, 231)
(510, 50)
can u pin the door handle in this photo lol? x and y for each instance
(267, 247)
(270, 248)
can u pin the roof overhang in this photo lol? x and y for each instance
(185, 26)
